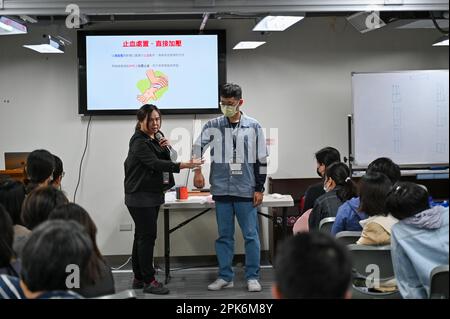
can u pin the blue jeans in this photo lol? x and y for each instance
(246, 215)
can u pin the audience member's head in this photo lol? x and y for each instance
(72, 211)
(385, 166)
(39, 168)
(312, 265)
(39, 203)
(6, 238)
(325, 157)
(407, 199)
(337, 176)
(52, 247)
(12, 195)
(373, 190)
(58, 172)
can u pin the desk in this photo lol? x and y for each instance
(206, 204)
(17, 174)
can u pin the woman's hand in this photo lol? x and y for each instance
(193, 163)
(164, 142)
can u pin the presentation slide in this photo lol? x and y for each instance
(170, 71)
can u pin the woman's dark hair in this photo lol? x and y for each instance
(51, 247)
(12, 195)
(327, 156)
(72, 211)
(407, 199)
(231, 90)
(340, 174)
(40, 166)
(373, 189)
(58, 171)
(144, 112)
(312, 265)
(6, 238)
(387, 167)
(39, 203)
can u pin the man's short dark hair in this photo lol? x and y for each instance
(312, 265)
(407, 199)
(387, 167)
(53, 246)
(327, 156)
(231, 90)
(40, 165)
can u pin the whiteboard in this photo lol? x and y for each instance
(401, 115)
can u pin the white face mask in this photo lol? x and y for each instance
(228, 110)
(325, 188)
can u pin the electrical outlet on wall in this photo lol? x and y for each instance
(125, 227)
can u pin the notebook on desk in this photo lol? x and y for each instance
(14, 160)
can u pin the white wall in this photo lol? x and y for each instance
(299, 82)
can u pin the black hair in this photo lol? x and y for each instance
(39, 167)
(12, 195)
(231, 90)
(312, 265)
(72, 211)
(6, 238)
(145, 112)
(407, 199)
(51, 247)
(39, 203)
(387, 167)
(340, 174)
(373, 190)
(327, 156)
(59, 169)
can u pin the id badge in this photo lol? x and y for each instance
(166, 178)
(236, 168)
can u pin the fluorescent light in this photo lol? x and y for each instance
(52, 45)
(9, 26)
(247, 45)
(276, 23)
(441, 42)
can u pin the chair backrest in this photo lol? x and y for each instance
(126, 294)
(302, 223)
(439, 283)
(348, 237)
(363, 256)
(326, 224)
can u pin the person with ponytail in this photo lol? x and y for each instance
(338, 187)
(149, 169)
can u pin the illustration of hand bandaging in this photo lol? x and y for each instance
(156, 83)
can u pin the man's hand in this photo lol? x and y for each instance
(257, 198)
(199, 179)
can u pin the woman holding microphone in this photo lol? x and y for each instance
(148, 174)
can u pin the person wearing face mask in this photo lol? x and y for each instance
(238, 173)
(324, 158)
(338, 187)
(149, 172)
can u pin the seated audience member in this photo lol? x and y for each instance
(36, 208)
(39, 169)
(312, 265)
(373, 192)
(324, 158)
(338, 188)
(12, 195)
(419, 240)
(98, 280)
(349, 214)
(8, 264)
(58, 173)
(53, 246)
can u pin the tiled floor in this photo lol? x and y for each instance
(192, 283)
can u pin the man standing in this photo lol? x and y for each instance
(238, 173)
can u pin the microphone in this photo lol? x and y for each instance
(159, 137)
